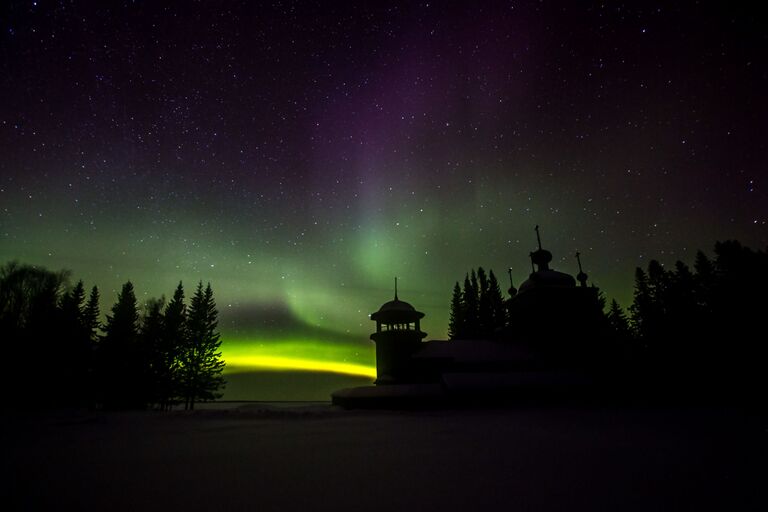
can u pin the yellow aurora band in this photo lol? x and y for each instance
(256, 362)
(298, 355)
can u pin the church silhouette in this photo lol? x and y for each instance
(554, 342)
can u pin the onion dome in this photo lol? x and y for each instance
(543, 276)
(512, 290)
(541, 258)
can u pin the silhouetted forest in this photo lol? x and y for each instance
(700, 324)
(58, 353)
(700, 327)
(477, 309)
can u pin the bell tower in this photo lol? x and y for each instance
(398, 335)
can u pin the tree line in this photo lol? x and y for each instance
(159, 355)
(477, 309)
(701, 323)
(709, 319)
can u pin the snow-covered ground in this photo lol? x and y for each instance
(312, 456)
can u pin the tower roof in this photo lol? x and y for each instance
(396, 311)
(396, 305)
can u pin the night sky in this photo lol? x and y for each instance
(300, 155)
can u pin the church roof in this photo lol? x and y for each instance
(545, 277)
(548, 279)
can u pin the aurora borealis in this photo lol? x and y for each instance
(299, 155)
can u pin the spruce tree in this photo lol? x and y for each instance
(482, 279)
(657, 319)
(681, 305)
(456, 322)
(151, 335)
(485, 309)
(91, 317)
(91, 326)
(641, 306)
(72, 349)
(202, 365)
(72, 303)
(173, 344)
(496, 302)
(618, 321)
(119, 362)
(705, 282)
(659, 282)
(471, 306)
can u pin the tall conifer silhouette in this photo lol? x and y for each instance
(496, 303)
(172, 346)
(150, 336)
(471, 306)
(202, 365)
(73, 348)
(119, 361)
(484, 308)
(456, 322)
(618, 321)
(91, 317)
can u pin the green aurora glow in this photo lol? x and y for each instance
(299, 177)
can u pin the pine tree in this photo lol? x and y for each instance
(659, 281)
(91, 317)
(641, 304)
(471, 307)
(618, 321)
(72, 303)
(482, 279)
(174, 341)
(496, 303)
(201, 362)
(705, 282)
(151, 335)
(91, 326)
(601, 300)
(119, 361)
(485, 309)
(682, 292)
(72, 330)
(72, 349)
(456, 322)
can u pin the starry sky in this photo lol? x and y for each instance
(300, 155)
